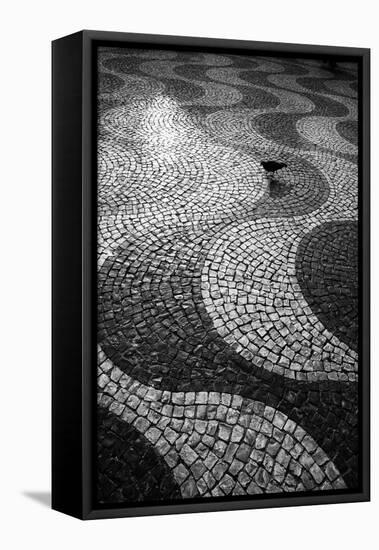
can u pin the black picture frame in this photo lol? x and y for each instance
(74, 271)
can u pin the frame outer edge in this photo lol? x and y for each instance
(365, 212)
(89, 254)
(66, 272)
(88, 242)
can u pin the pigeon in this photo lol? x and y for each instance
(272, 166)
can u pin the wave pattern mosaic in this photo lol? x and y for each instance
(227, 294)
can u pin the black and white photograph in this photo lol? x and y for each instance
(228, 298)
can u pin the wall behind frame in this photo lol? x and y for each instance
(25, 233)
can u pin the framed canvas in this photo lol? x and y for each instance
(210, 275)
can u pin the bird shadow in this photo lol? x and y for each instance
(41, 497)
(277, 188)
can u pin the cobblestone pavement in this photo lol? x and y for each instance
(227, 299)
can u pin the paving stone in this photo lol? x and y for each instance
(189, 456)
(181, 473)
(219, 470)
(226, 484)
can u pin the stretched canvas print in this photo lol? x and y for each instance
(228, 272)
(227, 275)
